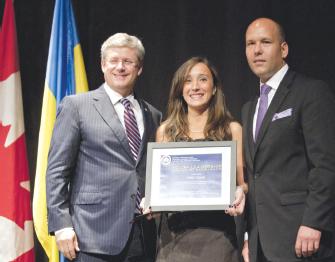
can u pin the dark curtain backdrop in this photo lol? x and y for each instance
(172, 31)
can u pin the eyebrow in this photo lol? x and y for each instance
(198, 75)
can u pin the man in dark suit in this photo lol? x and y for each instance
(289, 150)
(96, 165)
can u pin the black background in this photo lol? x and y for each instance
(172, 31)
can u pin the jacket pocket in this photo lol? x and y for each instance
(86, 198)
(292, 198)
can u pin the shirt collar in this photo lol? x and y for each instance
(275, 80)
(115, 97)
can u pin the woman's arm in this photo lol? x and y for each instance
(236, 131)
(237, 207)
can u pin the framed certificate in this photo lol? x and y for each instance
(184, 176)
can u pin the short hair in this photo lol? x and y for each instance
(281, 31)
(124, 40)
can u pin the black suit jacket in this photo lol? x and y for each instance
(291, 168)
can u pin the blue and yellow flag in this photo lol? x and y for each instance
(65, 75)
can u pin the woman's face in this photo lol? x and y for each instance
(198, 87)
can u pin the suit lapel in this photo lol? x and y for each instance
(105, 108)
(147, 127)
(277, 101)
(249, 131)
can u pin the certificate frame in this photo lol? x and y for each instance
(189, 176)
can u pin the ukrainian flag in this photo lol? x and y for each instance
(65, 75)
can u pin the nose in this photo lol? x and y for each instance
(194, 86)
(119, 65)
(258, 49)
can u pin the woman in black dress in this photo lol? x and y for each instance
(197, 111)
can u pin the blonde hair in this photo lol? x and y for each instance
(124, 40)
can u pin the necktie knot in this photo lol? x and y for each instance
(265, 89)
(125, 102)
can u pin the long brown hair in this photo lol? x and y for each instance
(219, 118)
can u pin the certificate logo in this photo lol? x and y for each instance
(165, 160)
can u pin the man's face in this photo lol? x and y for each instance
(121, 69)
(264, 49)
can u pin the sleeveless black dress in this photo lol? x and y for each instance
(198, 236)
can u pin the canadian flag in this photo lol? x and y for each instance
(16, 225)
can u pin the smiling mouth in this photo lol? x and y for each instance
(196, 96)
(120, 76)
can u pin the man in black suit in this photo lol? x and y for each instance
(289, 150)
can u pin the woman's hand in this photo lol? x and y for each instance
(237, 207)
(147, 211)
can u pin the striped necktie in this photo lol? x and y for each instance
(134, 139)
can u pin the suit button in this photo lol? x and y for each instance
(256, 175)
(133, 196)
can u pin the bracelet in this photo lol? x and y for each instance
(244, 188)
(239, 188)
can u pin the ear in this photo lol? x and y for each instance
(214, 90)
(284, 50)
(140, 71)
(103, 65)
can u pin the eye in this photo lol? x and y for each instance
(250, 43)
(113, 61)
(266, 41)
(128, 62)
(188, 80)
(203, 79)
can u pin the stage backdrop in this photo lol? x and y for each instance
(172, 31)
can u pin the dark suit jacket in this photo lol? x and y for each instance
(92, 177)
(291, 167)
